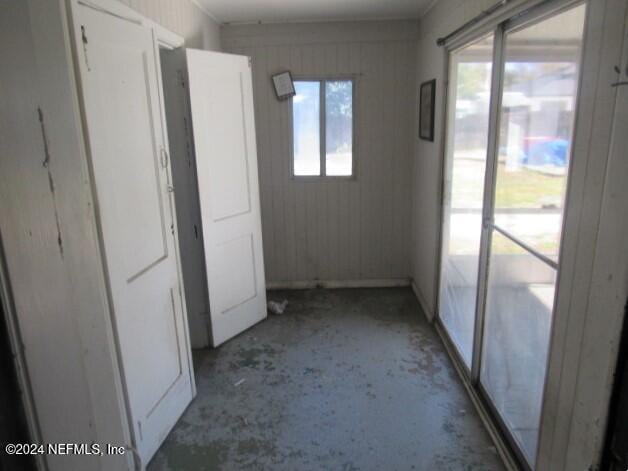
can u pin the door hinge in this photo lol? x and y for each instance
(84, 39)
(170, 189)
(181, 78)
(164, 158)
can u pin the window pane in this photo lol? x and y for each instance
(538, 105)
(339, 128)
(306, 128)
(516, 338)
(536, 116)
(468, 109)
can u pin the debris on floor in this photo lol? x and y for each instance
(276, 307)
(239, 382)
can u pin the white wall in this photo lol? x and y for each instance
(50, 242)
(336, 229)
(183, 17)
(593, 281)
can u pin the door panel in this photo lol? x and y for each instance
(221, 99)
(238, 285)
(229, 192)
(518, 313)
(536, 115)
(536, 123)
(469, 96)
(140, 237)
(497, 291)
(118, 71)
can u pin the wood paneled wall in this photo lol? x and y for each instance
(182, 17)
(336, 229)
(53, 290)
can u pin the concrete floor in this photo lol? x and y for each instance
(344, 379)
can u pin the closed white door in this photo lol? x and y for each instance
(118, 72)
(221, 98)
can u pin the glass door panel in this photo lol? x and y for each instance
(538, 100)
(540, 82)
(469, 96)
(518, 313)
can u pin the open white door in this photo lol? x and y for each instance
(221, 99)
(118, 75)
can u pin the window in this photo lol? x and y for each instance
(322, 128)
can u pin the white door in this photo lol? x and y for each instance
(221, 98)
(118, 72)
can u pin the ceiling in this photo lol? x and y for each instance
(279, 11)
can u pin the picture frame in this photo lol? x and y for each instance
(427, 96)
(284, 85)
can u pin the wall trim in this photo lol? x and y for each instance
(356, 19)
(334, 284)
(427, 9)
(421, 299)
(299, 34)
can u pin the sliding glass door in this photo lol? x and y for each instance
(501, 324)
(538, 98)
(467, 139)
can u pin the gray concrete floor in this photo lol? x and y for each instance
(344, 379)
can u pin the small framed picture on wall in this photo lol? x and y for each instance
(284, 87)
(427, 95)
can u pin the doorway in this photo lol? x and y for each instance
(511, 106)
(13, 421)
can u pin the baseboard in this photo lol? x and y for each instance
(501, 446)
(419, 296)
(333, 284)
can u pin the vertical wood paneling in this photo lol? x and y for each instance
(336, 229)
(355, 216)
(300, 230)
(53, 288)
(285, 59)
